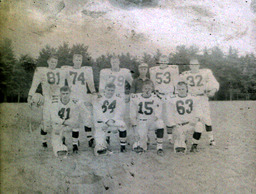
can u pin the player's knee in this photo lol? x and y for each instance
(121, 125)
(160, 124)
(87, 129)
(197, 135)
(208, 128)
(160, 133)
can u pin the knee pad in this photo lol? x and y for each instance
(121, 125)
(160, 124)
(197, 135)
(208, 128)
(75, 134)
(122, 134)
(199, 127)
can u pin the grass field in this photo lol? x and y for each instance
(229, 167)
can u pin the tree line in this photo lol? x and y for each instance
(235, 73)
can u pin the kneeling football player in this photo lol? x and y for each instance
(185, 116)
(64, 117)
(145, 113)
(107, 112)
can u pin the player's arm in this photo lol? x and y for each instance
(158, 108)
(133, 110)
(55, 119)
(120, 109)
(129, 78)
(103, 80)
(35, 83)
(212, 84)
(90, 80)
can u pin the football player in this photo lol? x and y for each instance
(145, 114)
(119, 76)
(185, 115)
(107, 111)
(80, 79)
(164, 78)
(64, 117)
(201, 82)
(51, 79)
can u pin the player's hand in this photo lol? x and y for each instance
(110, 122)
(127, 98)
(211, 93)
(29, 100)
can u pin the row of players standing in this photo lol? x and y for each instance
(166, 100)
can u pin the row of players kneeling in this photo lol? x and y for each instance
(181, 113)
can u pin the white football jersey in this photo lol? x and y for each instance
(78, 80)
(183, 109)
(145, 108)
(164, 79)
(201, 82)
(61, 112)
(118, 78)
(107, 108)
(51, 81)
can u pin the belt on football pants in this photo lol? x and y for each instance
(182, 124)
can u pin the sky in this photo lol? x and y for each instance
(115, 26)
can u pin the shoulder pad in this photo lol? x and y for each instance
(75, 101)
(105, 70)
(66, 67)
(118, 95)
(153, 68)
(41, 69)
(184, 72)
(157, 96)
(125, 70)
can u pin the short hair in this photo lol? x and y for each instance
(114, 58)
(65, 89)
(53, 56)
(110, 85)
(77, 55)
(194, 61)
(180, 83)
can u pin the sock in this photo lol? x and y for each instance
(75, 136)
(88, 132)
(209, 132)
(196, 138)
(43, 135)
(122, 137)
(159, 140)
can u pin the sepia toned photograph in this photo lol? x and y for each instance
(127, 96)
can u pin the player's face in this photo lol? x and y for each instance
(115, 64)
(52, 63)
(65, 96)
(182, 90)
(147, 89)
(143, 71)
(163, 60)
(194, 66)
(77, 60)
(109, 92)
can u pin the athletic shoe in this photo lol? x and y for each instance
(160, 152)
(91, 142)
(194, 148)
(44, 144)
(122, 148)
(212, 143)
(75, 148)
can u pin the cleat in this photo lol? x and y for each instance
(212, 143)
(102, 152)
(138, 149)
(122, 148)
(75, 148)
(91, 143)
(180, 150)
(44, 144)
(160, 152)
(194, 148)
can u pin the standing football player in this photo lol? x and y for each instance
(51, 79)
(80, 79)
(145, 114)
(164, 78)
(64, 117)
(201, 82)
(185, 115)
(107, 112)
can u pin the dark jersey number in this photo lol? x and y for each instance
(163, 77)
(79, 78)
(64, 113)
(148, 110)
(53, 78)
(106, 106)
(197, 79)
(180, 106)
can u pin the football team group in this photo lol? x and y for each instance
(166, 103)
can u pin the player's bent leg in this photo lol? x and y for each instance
(180, 137)
(89, 135)
(75, 138)
(142, 132)
(169, 133)
(159, 124)
(57, 144)
(100, 140)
